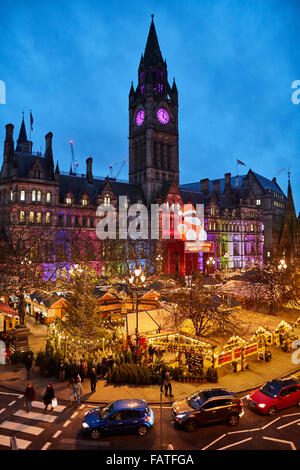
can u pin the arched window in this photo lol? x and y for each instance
(48, 197)
(33, 196)
(31, 217)
(106, 200)
(39, 196)
(22, 216)
(68, 200)
(48, 218)
(84, 201)
(39, 218)
(22, 195)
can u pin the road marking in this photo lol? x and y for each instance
(12, 403)
(40, 404)
(281, 440)
(79, 442)
(81, 406)
(46, 446)
(269, 424)
(292, 414)
(22, 427)
(219, 438)
(1, 411)
(244, 430)
(21, 443)
(8, 393)
(57, 434)
(288, 424)
(236, 443)
(36, 416)
(74, 414)
(67, 423)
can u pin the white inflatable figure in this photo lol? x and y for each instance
(2, 353)
(192, 228)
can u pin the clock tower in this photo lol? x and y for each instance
(153, 124)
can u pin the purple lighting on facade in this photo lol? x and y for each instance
(163, 116)
(140, 117)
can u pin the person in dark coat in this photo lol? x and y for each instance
(48, 397)
(104, 367)
(61, 371)
(29, 396)
(28, 365)
(82, 370)
(93, 378)
(162, 379)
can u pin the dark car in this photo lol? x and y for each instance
(120, 416)
(208, 406)
(274, 396)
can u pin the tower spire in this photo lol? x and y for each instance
(152, 53)
(22, 135)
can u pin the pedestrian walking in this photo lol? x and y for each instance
(29, 396)
(61, 371)
(82, 370)
(167, 384)
(78, 392)
(104, 367)
(93, 378)
(72, 391)
(75, 369)
(28, 365)
(162, 379)
(7, 355)
(49, 395)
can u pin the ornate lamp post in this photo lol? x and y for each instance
(136, 281)
(159, 260)
(210, 264)
(282, 265)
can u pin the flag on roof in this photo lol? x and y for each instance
(31, 121)
(240, 163)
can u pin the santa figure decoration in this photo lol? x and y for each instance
(192, 229)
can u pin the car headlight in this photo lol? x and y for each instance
(248, 396)
(180, 416)
(261, 405)
(85, 425)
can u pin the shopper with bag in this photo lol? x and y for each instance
(29, 396)
(49, 398)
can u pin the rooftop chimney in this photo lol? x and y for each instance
(204, 184)
(216, 186)
(48, 141)
(89, 171)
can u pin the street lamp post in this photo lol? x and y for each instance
(282, 265)
(159, 260)
(137, 280)
(210, 263)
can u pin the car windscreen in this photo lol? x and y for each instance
(196, 400)
(104, 412)
(270, 389)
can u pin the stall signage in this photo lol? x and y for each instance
(199, 247)
(224, 358)
(253, 348)
(237, 353)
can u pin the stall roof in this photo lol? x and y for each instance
(7, 310)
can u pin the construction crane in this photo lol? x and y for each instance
(120, 169)
(74, 163)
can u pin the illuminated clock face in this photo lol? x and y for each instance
(163, 116)
(140, 117)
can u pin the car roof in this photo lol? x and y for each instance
(129, 404)
(218, 392)
(283, 382)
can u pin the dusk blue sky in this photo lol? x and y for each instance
(72, 63)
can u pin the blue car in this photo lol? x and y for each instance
(120, 416)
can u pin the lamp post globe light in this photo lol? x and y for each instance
(282, 264)
(159, 260)
(210, 264)
(137, 280)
